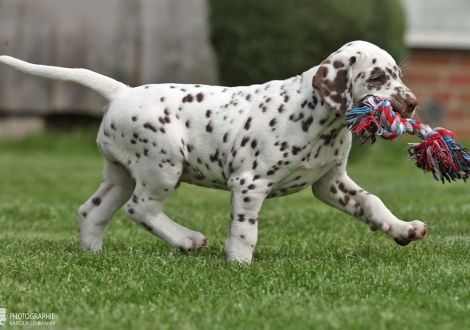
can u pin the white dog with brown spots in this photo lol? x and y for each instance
(257, 141)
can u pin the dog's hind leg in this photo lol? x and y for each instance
(146, 206)
(96, 212)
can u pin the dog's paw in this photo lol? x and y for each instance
(238, 253)
(192, 241)
(94, 247)
(415, 230)
(240, 259)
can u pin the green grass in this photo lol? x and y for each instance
(314, 267)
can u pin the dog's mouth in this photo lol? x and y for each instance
(406, 108)
(402, 107)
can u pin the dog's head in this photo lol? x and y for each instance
(359, 69)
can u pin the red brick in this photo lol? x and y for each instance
(458, 107)
(464, 59)
(465, 97)
(422, 91)
(461, 132)
(420, 77)
(429, 57)
(459, 79)
(456, 122)
(455, 116)
(419, 95)
(442, 96)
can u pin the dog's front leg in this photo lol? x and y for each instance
(335, 188)
(246, 202)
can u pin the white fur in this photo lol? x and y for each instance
(257, 141)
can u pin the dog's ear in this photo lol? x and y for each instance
(333, 81)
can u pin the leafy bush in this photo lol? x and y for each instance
(258, 41)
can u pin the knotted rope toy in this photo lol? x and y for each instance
(438, 153)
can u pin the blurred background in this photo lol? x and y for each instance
(223, 42)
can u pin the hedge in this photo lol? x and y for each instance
(258, 41)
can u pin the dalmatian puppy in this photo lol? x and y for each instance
(258, 141)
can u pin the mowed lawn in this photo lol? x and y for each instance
(314, 267)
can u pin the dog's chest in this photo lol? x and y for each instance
(330, 149)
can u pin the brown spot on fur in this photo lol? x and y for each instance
(337, 89)
(209, 127)
(248, 123)
(244, 141)
(402, 241)
(150, 127)
(188, 98)
(338, 64)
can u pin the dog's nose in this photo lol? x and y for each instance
(411, 103)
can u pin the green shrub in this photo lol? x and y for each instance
(258, 41)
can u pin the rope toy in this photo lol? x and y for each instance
(438, 153)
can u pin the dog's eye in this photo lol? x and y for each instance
(376, 79)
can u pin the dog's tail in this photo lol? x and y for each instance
(107, 87)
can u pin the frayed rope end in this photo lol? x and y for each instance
(438, 153)
(441, 155)
(363, 122)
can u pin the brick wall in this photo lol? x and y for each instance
(440, 80)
